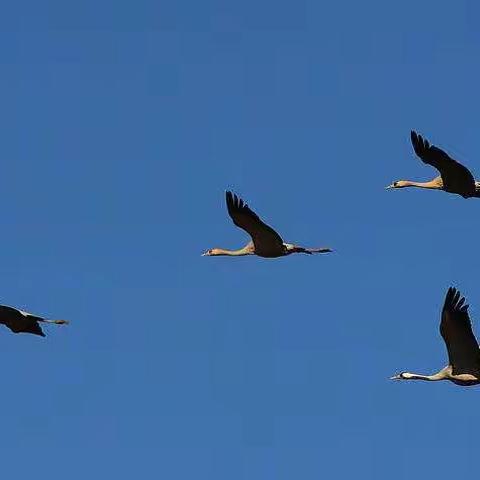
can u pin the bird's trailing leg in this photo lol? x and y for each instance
(318, 250)
(309, 251)
(57, 322)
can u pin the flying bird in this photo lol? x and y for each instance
(463, 351)
(453, 178)
(19, 321)
(266, 242)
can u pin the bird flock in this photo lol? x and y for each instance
(455, 326)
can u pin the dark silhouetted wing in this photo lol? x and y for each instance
(456, 330)
(28, 327)
(7, 313)
(456, 178)
(13, 319)
(266, 239)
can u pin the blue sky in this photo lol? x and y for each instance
(122, 125)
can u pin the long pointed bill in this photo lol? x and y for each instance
(389, 187)
(396, 377)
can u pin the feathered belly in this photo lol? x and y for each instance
(465, 379)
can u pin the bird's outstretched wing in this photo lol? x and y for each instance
(264, 237)
(17, 322)
(454, 174)
(31, 327)
(7, 312)
(456, 330)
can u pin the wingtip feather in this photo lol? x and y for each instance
(455, 301)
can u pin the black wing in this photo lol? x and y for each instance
(454, 174)
(456, 330)
(31, 326)
(13, 319)
(264, 238)
(8, 312)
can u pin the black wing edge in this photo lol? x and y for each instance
(420, 144)
(33, 329)
(39, 331)
(454, 302)
(236, 204)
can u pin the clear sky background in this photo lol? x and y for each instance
(122, 123)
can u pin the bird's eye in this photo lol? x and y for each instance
(395, 184)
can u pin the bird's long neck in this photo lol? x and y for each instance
(432, 185)
(231, 253)
(441, 375)
(290, 248)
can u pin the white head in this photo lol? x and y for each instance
(402, 376)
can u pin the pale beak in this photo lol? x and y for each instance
(390, 186)
(396, 377)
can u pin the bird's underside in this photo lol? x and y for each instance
(269, 251)
(466, 382)
(453, 186)
(465, 190)
(285, 249)
(274, 252)
(462, 379)
(277, 251)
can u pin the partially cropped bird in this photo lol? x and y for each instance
(454, 177)
(463, 351)
(19, 321)
(266, 242)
